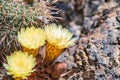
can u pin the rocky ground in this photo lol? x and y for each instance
(96, 23)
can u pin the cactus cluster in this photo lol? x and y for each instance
(14, 15)
(20, 65)
(23, 31)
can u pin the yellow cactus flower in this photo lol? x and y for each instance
(58, 39)
(31, 39)
(20, 65)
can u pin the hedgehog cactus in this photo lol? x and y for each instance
(14, 15)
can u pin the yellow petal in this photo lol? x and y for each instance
(31, 37)
(58, 36)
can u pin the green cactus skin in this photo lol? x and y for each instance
(13, 16)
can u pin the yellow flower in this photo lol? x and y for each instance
(58, 36)
(31, 39)
(20, 64)
(58, 39)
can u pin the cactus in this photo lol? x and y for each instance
(14, 15)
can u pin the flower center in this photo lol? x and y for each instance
(21, 64)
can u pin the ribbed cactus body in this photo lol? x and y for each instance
(14, 15)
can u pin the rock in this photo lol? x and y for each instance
(59, 69)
